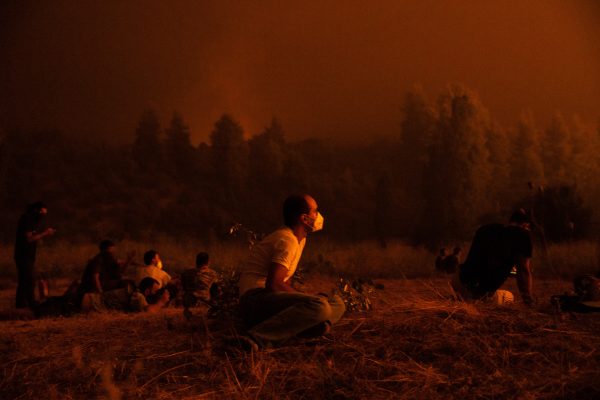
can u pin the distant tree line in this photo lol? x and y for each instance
(447, 168)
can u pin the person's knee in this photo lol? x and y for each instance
(338, 308)
(337, 302)
(321, 309)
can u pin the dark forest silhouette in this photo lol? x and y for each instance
(448, 168)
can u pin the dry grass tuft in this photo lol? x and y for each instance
(417, 343)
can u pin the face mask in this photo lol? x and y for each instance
(317, 224)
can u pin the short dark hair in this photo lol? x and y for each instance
(201, 259)
(105, 245)
(149, 256)
(293, 207)
(520, 216)
(147, 283)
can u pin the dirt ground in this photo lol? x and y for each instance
(417, 343)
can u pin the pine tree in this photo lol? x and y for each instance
(383, 210)
(498, 147)
(417, 128)
(557, 152)
(229, 159)
(146, 146)
(458, 171)
(267, 157)
(585, 164)
(527, 167)
(180, 154)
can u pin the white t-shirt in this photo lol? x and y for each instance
(280, 247)
(153, 272)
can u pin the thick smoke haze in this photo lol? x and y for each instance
(330, 69)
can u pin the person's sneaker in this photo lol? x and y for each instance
(318, 330)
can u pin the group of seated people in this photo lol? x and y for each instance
(108, 283)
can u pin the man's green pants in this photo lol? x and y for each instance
(275, 317)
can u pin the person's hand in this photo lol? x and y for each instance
(129, 260)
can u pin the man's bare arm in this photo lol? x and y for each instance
(34, 236)
(275, 279)
(524, 279)
(123, 264)
(97, 282)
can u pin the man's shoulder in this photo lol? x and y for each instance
(26, 223)
(94, 261)
(147, 268)
(282, 234)
(282, 231)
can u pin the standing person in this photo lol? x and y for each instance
(269, 304)
(495, 250)
(28, 235)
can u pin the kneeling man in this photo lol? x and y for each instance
(269, 304)
(498, 250)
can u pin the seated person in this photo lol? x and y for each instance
(152, 268)
(273, 309)
(104, 272)
(497, 249)
(199, 283)
(148, 298)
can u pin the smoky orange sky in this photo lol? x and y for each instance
(324, 68)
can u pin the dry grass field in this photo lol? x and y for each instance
(416, 343)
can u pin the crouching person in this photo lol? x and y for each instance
(273, 309)
(148, 298)
(495, 252)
